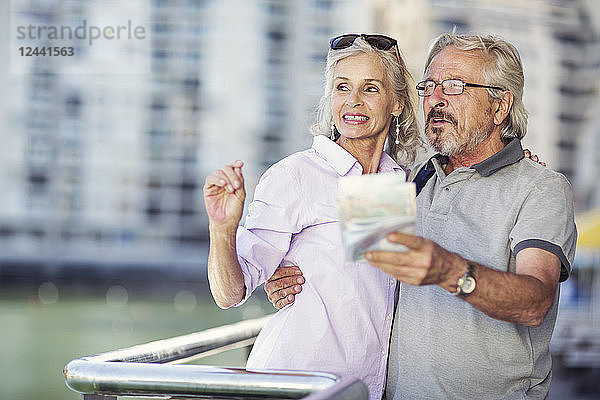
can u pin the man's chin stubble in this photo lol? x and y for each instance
(446, 147)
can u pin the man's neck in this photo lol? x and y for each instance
(485, 150)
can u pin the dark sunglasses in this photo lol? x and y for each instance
(379, 42)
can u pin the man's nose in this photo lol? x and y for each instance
(437, 99)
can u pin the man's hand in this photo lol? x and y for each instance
(425, 262)
(523, 297)
(282, 287)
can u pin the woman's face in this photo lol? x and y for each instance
(362, 99)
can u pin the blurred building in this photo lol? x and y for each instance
(586, 61)
(577, 33)
(558, 43)
(106, 168)
(587, 168)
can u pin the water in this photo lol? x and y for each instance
(41, 332)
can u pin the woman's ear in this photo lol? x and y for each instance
(398, 108)
(504, 105)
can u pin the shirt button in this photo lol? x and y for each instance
(392, 281)
(388, 317)
(383, 352)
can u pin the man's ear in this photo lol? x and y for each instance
(504, 106)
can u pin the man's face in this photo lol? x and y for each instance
(456, 124)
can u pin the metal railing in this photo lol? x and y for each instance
(152, 369)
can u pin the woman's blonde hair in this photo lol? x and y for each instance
(403, 88)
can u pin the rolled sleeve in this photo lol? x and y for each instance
(273, 217)
(259, 252)
(546, 221)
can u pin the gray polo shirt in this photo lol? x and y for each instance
(441, 346)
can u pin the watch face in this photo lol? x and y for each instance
(468, 285)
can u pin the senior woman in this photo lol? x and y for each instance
(342, 322)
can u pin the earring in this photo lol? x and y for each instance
(332, 136)
(397, 129)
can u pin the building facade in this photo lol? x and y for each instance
(101, 165)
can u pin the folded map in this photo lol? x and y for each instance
(371, 206)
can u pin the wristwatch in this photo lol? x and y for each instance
(466, 283)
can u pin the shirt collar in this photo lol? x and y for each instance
(387, 164)
(510, 154)
(342, 161)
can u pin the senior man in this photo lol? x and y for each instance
(495, 234)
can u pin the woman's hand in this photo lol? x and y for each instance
(533, 157)
(224, 196)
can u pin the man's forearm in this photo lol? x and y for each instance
(522, 298)
(224, 271)
(516, 298)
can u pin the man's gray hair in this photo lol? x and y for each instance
(503, 68)
(400, 81)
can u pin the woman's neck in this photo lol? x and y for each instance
(367, 151)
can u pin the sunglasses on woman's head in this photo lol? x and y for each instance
(379, 42)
